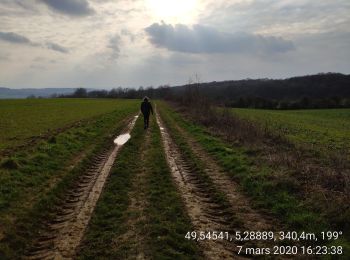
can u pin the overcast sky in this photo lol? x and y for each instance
(132, 43)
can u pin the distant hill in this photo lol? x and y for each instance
(323, 85)
(26, 92)
(324, 90)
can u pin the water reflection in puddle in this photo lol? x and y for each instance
(122, 139)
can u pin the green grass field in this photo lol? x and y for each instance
(27, 118)
(33, 176)
(140, 193)
(325, 129)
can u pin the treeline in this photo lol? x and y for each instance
(127, 93)
(313, 86)
(302, 103)
(327, 90)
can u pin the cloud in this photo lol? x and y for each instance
(114, 45)
(18, 8)
(56, 47)
(4, 57)
(231, 41)
(70, 7)
(203, 39)
(15, 38)
(126, 32)
(282, 17)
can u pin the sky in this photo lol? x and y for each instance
(133, 43)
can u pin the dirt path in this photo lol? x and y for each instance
(134, 237)
(241, 205)
(64, 233)
(205, 214)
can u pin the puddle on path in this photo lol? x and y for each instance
(122, 139)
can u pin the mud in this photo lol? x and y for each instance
(250, 218)
(205, 214)
(65, 231)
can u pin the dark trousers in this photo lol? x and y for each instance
(145, 120)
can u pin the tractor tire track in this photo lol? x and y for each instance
(64, 232)
(244, 217)
(250, 218)
(205, 214)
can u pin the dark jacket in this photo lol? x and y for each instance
(146, 108)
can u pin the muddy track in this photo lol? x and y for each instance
(205, 214)
(64, 232)
(250, 218)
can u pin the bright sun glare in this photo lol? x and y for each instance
(179, 9)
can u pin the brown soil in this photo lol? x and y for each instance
(205, 214)
(64, 232)
(250, 218)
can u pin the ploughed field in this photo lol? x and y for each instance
(178, 190)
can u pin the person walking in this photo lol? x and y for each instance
(146, 109)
